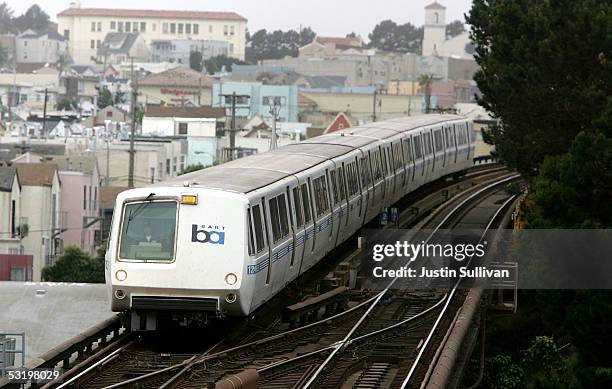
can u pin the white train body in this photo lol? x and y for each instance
(224, 240)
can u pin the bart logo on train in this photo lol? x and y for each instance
(207, 235)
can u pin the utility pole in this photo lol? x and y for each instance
(274, 111)
(132, 130)
(374, 107)
(45, 114)
(232, 131)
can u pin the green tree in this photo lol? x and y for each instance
(191, 168)
(544, 73)
(195, 61)
(276, 44)
(455, 28)
(6, 19)
(75, 266)
(216, 64)
(66, 104)
(4, 57)
(502, 373)
(400, 38)
(33, 19)
(105, 98)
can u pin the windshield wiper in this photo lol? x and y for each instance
(141, 207)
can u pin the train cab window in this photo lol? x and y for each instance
(306, 204)
(297, 203)
(148, 231)
(259, 228)
(365, 171)
(438, 141)
(320, 195)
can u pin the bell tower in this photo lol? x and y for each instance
(434, 30)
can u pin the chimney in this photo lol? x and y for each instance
(75, 4)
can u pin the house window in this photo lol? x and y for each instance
(225, 30)
(196, 29)
(152, 175)
(92, 44)
(182, 128)
(172, 28)
(120, 26)
(113, 25)
(187, 28)
(180, 28)
(109, 114)
(232, 32)
(67, 34)
(165, 28)
(143, 26)
(93, 26)
(168, 166)
(25, 43)
(231, 47)
(84, 196)
(134, 26)
(128, 26)
(210, 29)
(99, 26)
(174, 164)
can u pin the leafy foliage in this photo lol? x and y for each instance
(216, 64)
(66, 104)
(502, 373)
(4, 56)
(195, 61)
(544, 73)
(75, 266)
(276, 44)
(402, 38)
(455, 28)
(105, 98)
(6, 19)
(34, 18)
(191, 168)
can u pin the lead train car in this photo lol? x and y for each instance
(223, 240)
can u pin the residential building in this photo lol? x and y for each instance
(10, 196)
(108, 196)
(80, 204)
(333, 47)
(40, 211)
(120, 47)
(28, 89)
(179, 50)
(155, 160)
(85, 28)
(200, 125)
(41, 47)
(181, 86)
(261, 98)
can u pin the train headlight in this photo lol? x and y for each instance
(231, 279)
(121, 275)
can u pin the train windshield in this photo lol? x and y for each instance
(148, 231)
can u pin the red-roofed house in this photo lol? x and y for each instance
(338, 124)
(85, 28)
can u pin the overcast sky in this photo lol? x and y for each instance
(326, 17)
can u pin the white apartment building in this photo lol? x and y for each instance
(85, 28)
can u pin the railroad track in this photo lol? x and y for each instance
(133, 359)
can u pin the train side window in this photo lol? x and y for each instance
(275, 219)
(250, 233)
(306, 204)
(282, 211)
(438, 142)
(320, 191)
(341, 187)
(260, 233)
(365, 171)
(334, 185)
(297, 204)
(407, 150)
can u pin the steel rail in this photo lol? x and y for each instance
(342, 344)
(450, 296)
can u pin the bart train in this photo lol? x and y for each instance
(223, 240)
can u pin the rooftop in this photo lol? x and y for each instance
(118, 42)
(36, 174)
(435, 5)
(160, 111)
(179, 76)
(150, 13)
(76, 163)
(7, 176)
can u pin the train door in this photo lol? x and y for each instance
(438, 152)
(449, 131)
(367, 190)
(409, 161)
(419, 158)
(334, 207)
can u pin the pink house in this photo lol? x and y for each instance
(80, 205)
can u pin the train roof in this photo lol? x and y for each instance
(251, 173)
